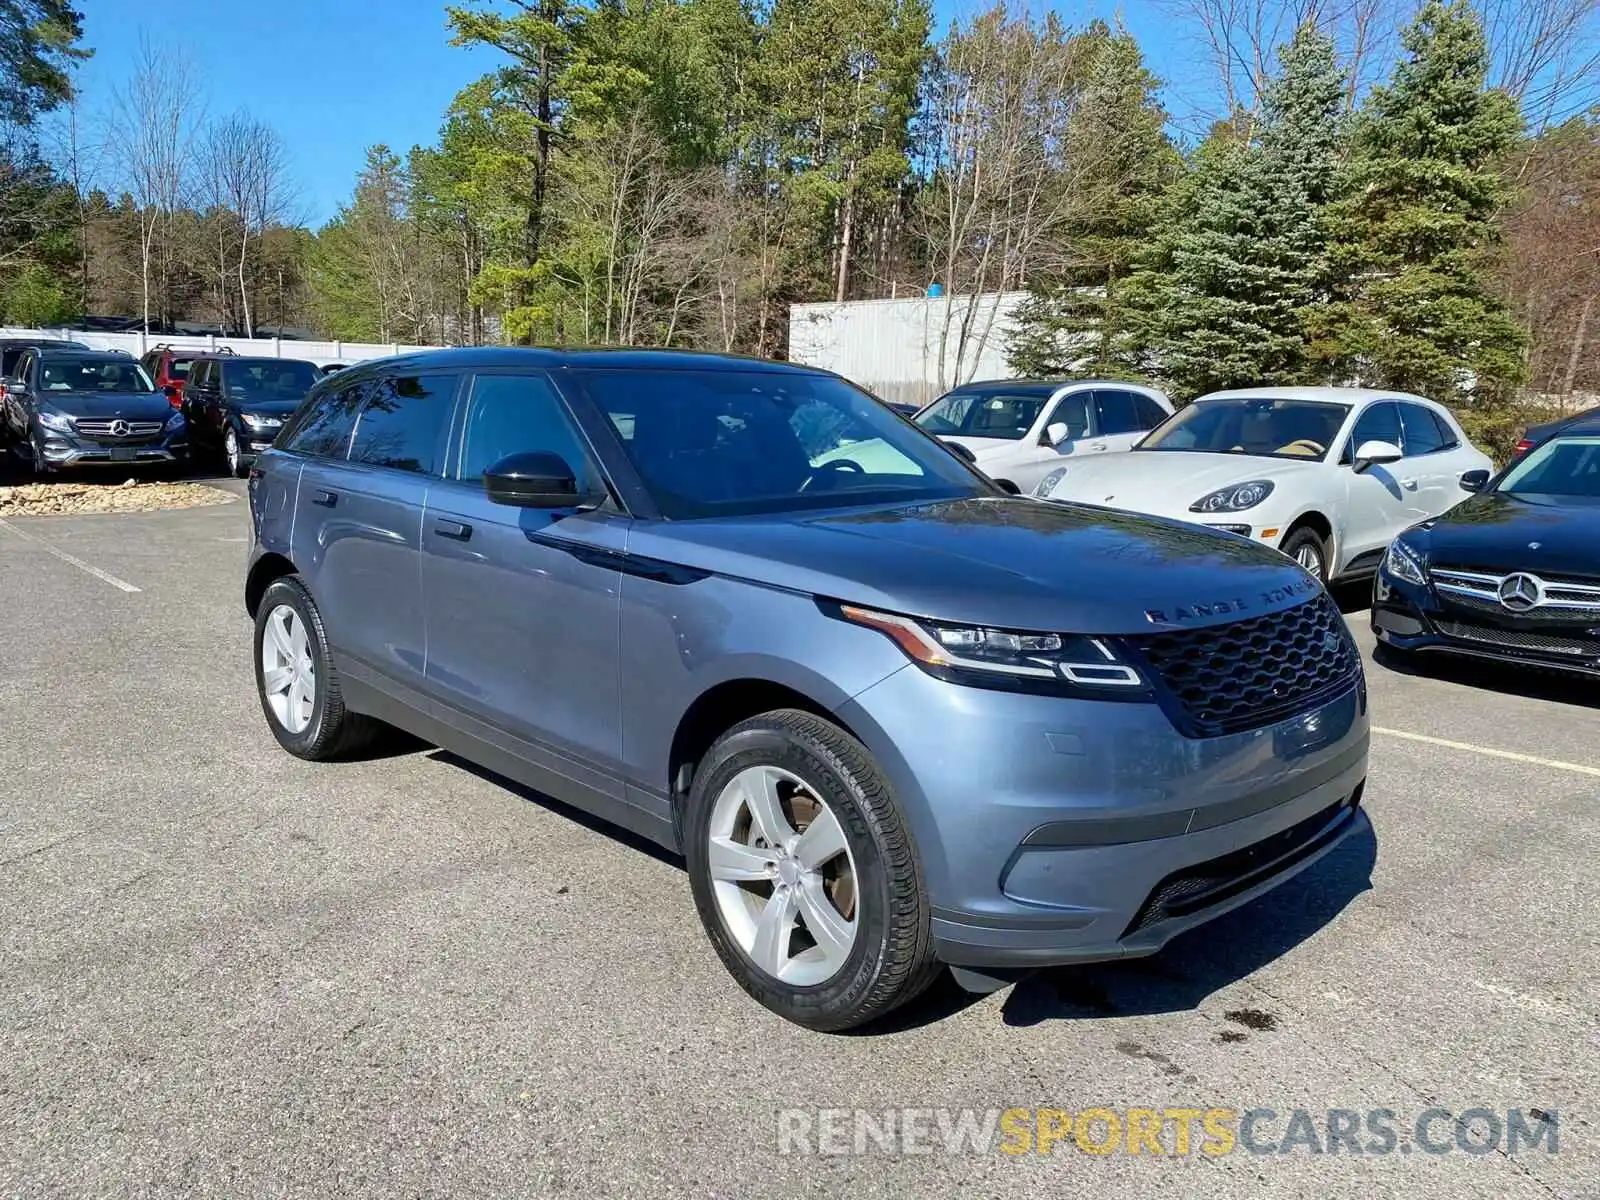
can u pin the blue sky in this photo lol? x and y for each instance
(336, 76)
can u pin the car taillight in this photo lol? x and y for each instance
(1522, 448)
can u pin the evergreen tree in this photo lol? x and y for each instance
(1415, 229)
(1223, 299)
(1122, 161)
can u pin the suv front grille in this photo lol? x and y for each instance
(1232, 678)
(137, 431)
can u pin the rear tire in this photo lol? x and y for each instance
(1306, 548)
(830, 864)
(307, 713)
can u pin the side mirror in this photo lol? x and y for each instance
(1474, 481)
(1006, 486)
(1055, 434)
(1376, 453)
(963, 451)
(533, 479)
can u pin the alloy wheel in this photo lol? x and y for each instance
(288, 672)
(230, 444)
(1310, 557)
(783, 876)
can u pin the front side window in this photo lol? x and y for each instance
(1380, 423)
(92, 374)
(323, 430)
(1262, 427)
(518, 414)
(726, 443)
(1072, 411)
(1563, 466)
(402, 420)
(985, 411)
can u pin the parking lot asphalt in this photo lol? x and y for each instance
(225, 971)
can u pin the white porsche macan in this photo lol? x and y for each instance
(1329, 476)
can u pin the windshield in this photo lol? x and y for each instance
(727, 443)
(83, 373)
(1265, 428)
(268, 380)
(178, 368)
(985, 412)
(1563, 466)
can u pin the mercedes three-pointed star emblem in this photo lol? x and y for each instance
(1521, 592)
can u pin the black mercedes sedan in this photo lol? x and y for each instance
(1511, 574)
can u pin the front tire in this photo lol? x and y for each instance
(804, 873)
(231, 454)
(296, 680)
(1306, 548)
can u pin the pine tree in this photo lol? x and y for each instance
(1414, 232)
(1223, 298)
(1122, 161)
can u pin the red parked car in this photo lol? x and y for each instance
(170, 369)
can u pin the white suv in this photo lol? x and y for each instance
(1327, 475)
(1018, 430)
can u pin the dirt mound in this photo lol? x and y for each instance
(59, 499)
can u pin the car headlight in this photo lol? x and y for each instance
(1047, 485)
(1006, 658)
(1236, 498)
(260, 424)
(1400, 561)
(174, 424)
(59, 422)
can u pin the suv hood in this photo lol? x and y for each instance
(95, 406)
(985, 448)
(267, 408)
(1493, 532)
(1001, 561)
(1155, 476)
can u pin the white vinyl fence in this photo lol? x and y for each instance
(136, 344)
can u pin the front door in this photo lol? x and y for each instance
(1379, 496)
(522, 603)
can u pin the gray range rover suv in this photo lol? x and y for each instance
(893, 717)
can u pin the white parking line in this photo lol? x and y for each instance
(67, 558)
(1489, 751)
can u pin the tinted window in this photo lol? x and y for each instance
(323, 430)
(178, 368)
(515, 414)
(1563, 466)
(1073, 412)
(1117, 414)
(992, 411)
(84, 373)
(1150, 413)
(401, 421)
(1380, 423)
(1447, 436)
(267, 380)
(10, 361)
(713, 443)
(1422, 433)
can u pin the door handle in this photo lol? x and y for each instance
(453, 529)
(324, 497)
(1098, 446)
(1409, 484)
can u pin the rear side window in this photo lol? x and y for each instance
(323, 430)
(1447, 435)
(1150, 413)
(1422, 433)
(516, 414)
(402, 420)
(1117, 413)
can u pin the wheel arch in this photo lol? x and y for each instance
(264, 572)
(1314, 520)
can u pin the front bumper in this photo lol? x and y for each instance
(1054, 830)
(1413, 618)
(60, 451)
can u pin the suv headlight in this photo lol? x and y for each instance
(261, 424)
(1047, 485)
(175, 423)
(1006, 658)
(59, 422)
(1400, 561)
(1236, 498)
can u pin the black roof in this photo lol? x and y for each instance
(74, 351)
(1587, 421)
(42, 343)
(251, 358)
(626, 358)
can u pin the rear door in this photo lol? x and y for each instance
(523, 604)
(1120, 419)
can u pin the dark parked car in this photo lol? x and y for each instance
(236, 405)
(1535, 434)
(78, 408)
(892, 716)
(11, 350)
(1513, 573)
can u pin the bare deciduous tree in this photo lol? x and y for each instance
(153, 131)
(246, 171)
